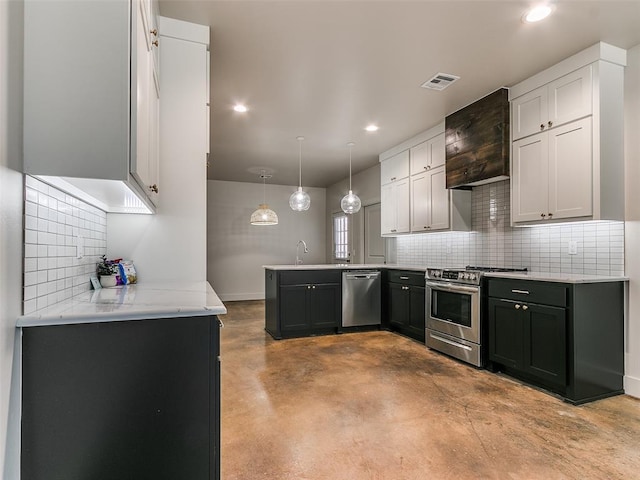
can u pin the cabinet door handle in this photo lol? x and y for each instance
(308, 287)
(542, 215)
(153, 188)
(313, 287)
(393, 179)
(550, 123)
(393, 230)
(542, 126)
(550, 215)
(524, 307)
(524, 292)
(404, 278)
(155, 42)
(517, 306)
(154, 32)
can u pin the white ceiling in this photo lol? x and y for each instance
(326, 69)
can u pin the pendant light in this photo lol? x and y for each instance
(299, 200)
(264, 215)
(350, 202)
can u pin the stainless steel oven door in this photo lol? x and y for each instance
(454, 309)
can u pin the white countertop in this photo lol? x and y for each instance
(345, 266)
(557, 277)
(541, 276)
(131, 302)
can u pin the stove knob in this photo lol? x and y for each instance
(464, 276)
(472, 276)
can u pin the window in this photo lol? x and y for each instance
(341, 237)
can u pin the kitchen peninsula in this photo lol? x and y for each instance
(123, 382)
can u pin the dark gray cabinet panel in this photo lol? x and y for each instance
(505, 333)
(567, 338)
(121, 400)
(404, 307)
(545, 343)
(303, 302)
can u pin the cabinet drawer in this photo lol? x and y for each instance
(529, 291)
(310, 276)
(407, 277)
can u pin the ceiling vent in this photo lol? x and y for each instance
(440, 81)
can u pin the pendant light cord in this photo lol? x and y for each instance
(350, 147)
(264, 188)
(300, 161)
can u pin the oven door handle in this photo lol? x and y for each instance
(450, 287)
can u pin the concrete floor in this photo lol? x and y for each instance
(381, 406)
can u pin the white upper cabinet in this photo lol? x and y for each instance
(430, 201)
(145, 162)
(420, 202)
(394, 207)
(91, 100)
(552, 174)
(571, 166)
(394, 179)
(427, 155)
(563, 100)
(395, 168)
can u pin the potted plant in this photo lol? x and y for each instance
(106, 273)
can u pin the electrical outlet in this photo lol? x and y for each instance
(573, 247)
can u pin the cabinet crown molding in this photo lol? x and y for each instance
(413, 141)
(599, 51)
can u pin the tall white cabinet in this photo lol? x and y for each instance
(394, 194)
(567, 151)
(92, 98)
(414, 197)
(172, 245)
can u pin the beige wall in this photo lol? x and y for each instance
(236, 250)
(11, 193)
(632, 226)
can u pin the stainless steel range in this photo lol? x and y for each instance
(453, 311)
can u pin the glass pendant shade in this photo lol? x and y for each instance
(264, 216)
(299, 200)
(350, 203)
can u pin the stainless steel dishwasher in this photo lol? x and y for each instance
(361, 292)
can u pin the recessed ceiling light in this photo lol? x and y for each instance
(537, 13)
(371, 128)
(240, 108)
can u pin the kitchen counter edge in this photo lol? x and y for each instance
(130, 302)
(539, 276)
(557, 277)
(345, 266)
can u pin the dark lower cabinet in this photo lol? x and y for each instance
(567, 338)
(302, 302)
(545, 343)
(125, 400)
(405, 305)
(530, 338)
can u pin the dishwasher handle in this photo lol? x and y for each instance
(361, 275)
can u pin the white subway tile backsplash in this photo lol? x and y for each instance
(52, 272)
(494, 243)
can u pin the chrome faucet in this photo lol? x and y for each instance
(306, 250)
